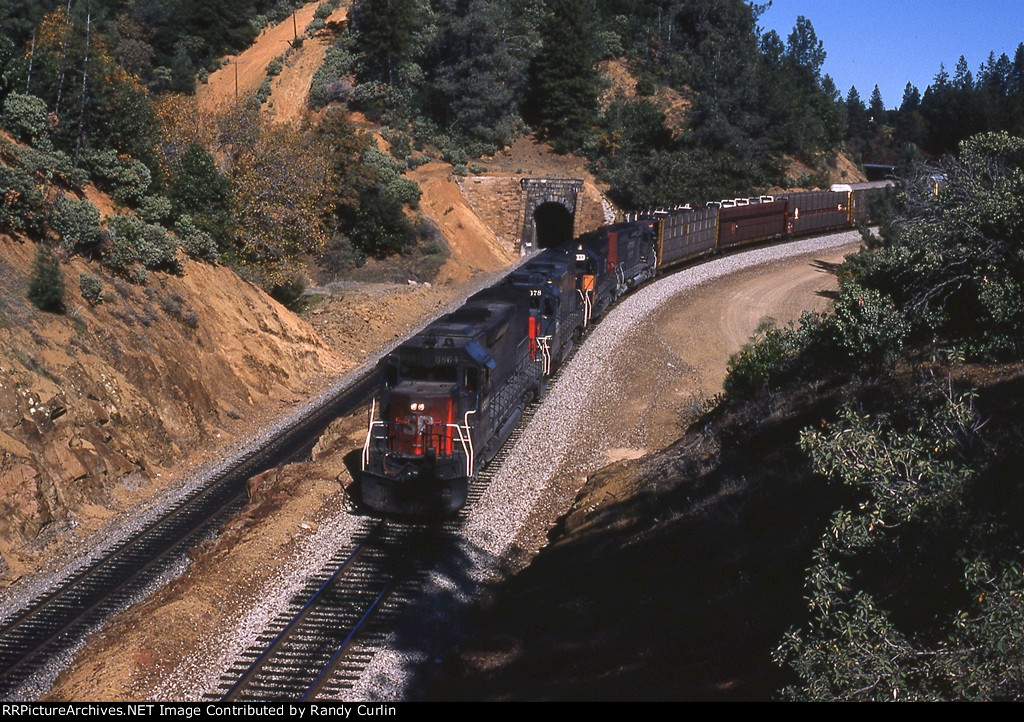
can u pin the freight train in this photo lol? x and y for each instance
(449, 397)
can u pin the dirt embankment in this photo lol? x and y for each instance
(104, 406)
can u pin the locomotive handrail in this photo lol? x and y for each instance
(544, 344)
(369, 433)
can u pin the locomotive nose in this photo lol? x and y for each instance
(422, 415)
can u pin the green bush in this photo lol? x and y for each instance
(867, 326)
(381, 228)
(155, 209)
(21, 201)
(24, 116)
(315, 26)
(645, 85)
(263, 92)
(401, 145)
(328, 81)
(51, 165)
(195, 242)
(761, 360)
(340, 255)
(128, 179)
(77, 222)
(275, 66)
(46, 287)
(290, 291)
(132, 241)
(197, 187)
(393, 185)
(91, 287)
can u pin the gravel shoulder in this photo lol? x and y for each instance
(621, 396)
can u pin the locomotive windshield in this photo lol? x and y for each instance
(448, 374)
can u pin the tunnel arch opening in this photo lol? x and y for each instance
(554, 224)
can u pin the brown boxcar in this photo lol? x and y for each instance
(684, 234)
(742, 225)
(815, 211)
(863, 203)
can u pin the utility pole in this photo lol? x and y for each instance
(236, 79)
(295, 27)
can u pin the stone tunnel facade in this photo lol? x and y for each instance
(509, 205)
(537, 193)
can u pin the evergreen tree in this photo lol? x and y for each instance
(911, 99)
(183, 77)
(876, 108)
(46, 287)
(566, 78)
(857, 129)
(385, 29)
(485, 48)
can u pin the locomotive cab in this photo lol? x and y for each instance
(448, 397)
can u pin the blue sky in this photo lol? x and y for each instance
(891, 42)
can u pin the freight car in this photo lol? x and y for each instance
(450, 396)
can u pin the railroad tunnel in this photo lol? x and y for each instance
(553, 223)
(550, 213)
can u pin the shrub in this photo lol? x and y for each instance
(415, 161)
(315, 26)
(761, 360)
(127, 178)
(275, 66)
(77, 222)
(155, 209)
(645, 86)
(340, 255)
(381, 228)
(21, 201)
(195, 242)
(328, 83)
(401, 146)
(290, 291)
(263, 92)
(46, 287)
(91, 287)
(197, 186)
(24, 116)
(132, 241)
(323, 11)
(867, 325)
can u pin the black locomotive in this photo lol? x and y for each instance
(450, 396)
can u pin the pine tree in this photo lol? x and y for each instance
(385, 29)
(876, 108)
(567, 81)
(857, 116)
(46, 287)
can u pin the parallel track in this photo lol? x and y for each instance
(56, 620)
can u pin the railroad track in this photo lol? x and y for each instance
(322, 640)
(320, 644)
(56, 620)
